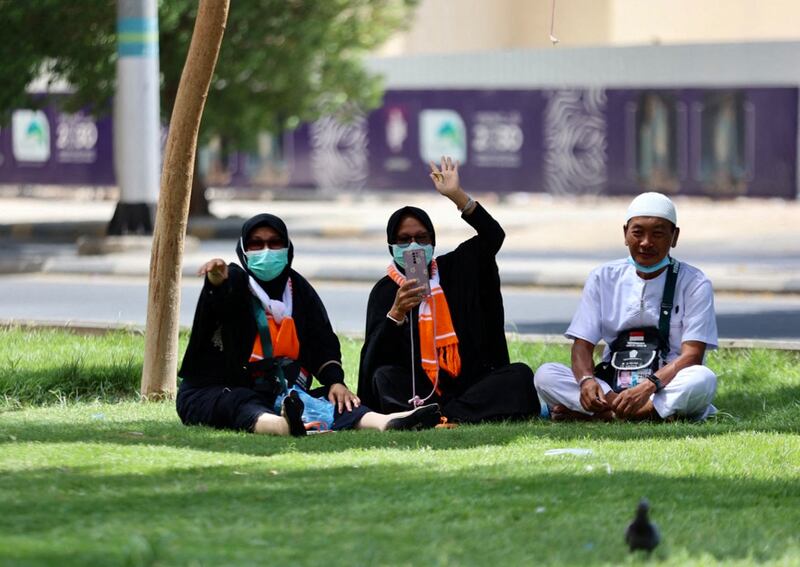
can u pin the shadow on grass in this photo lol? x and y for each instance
(745, 403)
(157, 432)
(382, 513)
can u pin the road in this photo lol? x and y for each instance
(123, 300)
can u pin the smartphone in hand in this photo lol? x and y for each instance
(417, 268)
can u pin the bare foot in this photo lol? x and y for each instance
(563, 413)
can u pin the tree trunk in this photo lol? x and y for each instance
(164, 291)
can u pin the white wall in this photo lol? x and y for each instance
(462, 26)
(696, 21)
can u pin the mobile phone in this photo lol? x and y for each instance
(417, 268)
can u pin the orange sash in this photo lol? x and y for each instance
(439, 346)
(282, 330)
(284, 340)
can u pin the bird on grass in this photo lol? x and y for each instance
(642, 534)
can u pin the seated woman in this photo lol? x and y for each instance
(448, 346)
(260, 335)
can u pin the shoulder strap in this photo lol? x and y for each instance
(266, 339)
(667, 301)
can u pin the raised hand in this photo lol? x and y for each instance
(216, 270)
(445, 178)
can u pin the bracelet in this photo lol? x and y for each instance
(470, 202)
(395, 321)
(584, 379)
(656, 382)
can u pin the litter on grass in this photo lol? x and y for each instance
(568, 451)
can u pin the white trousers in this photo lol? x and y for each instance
(689, 394)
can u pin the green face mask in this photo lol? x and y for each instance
(268, 264)
(397, 252)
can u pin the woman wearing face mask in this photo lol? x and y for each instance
(260, 336)
(456, 335)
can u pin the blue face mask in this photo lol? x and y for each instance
(267, 264)
(397, 252)
(649, 269)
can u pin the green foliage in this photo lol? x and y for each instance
(74, 41)
(281, 61)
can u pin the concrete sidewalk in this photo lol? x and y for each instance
(743, 245)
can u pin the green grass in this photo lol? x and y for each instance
(88, 482)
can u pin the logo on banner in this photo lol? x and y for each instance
(442, 133)
(396, 129)
(30, 135)
(76, 138)
(497, 139)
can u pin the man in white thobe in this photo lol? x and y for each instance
(624, 295)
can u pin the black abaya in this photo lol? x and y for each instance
(218, 387)
(488, 387)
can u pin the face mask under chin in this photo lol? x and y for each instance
(649, 269)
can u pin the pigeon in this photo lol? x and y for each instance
(642, 533)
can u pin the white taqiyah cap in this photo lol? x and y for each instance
(652, 205)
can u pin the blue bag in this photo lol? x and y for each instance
(317, 411)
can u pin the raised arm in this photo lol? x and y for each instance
(446, 179)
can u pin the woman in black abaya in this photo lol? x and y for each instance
(459, 346)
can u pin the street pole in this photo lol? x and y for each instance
(159, 372)
(137, 120)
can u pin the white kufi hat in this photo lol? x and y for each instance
(652, 205)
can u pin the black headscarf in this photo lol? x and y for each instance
(398, 216)
(275, 287)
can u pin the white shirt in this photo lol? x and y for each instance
(616, 299)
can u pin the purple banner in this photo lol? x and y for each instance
(715, 142)
(50, 147)
(720, 143)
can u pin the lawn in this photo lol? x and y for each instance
(89, 476)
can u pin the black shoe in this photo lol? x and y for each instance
(424, 417)
(292, 411)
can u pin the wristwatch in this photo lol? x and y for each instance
(654, 379)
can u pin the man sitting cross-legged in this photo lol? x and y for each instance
(657, 317)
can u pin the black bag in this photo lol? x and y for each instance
(639, 353)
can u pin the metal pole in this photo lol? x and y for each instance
(137, 121)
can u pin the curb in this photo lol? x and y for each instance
(514, 273)
(100, 328)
